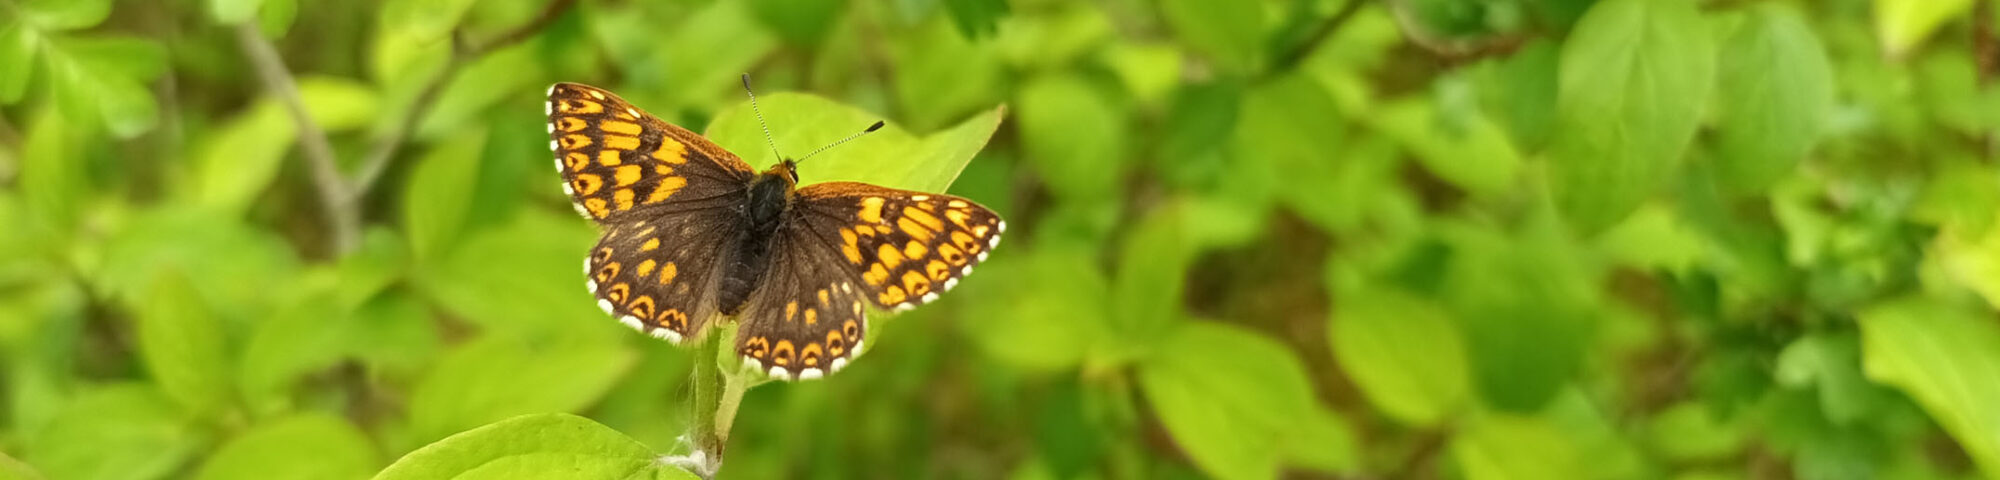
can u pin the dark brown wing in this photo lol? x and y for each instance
(666, 198)
(659, 275)
(620, 164)
(852, 242)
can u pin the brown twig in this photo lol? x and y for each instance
(461, 54)
(1986, 53)
(342, 217)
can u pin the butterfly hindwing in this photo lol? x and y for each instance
(809, 317)
(658, 275)
(903, 247)
(620, 163)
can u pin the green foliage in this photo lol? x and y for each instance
(1479, 239)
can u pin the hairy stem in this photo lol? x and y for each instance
(718, 386)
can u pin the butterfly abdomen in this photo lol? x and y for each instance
(763, 211)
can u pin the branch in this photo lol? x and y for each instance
(342, 218)
(461, 54)
(1986, 55)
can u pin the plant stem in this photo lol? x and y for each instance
(718, 387)
(342, 217)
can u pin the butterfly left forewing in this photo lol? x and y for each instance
(621, 164)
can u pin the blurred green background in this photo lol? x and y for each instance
(1478, 239)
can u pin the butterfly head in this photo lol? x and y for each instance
(787, 170)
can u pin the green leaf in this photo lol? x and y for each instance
(274, 17)
(1945, 357)
(1634, 77)
(237, 163)
(13, 469)
(533, 446)
(1689, 432)
(119, 432)
(1774, 92)
(1469, 151)
(1073, 136)
(496, 377)
(521, 277)
(1230, 34)
(1502, 447)
(1053, 325)
(1406, 355)
(1902, 25)
(439, 194)
(976, 18)
(181, 341)
(1831, 364)
(1230, 398)
(1152, 266)
(17, 60)
(941, 76)
(890, 157)
(102, 78)
(800, 22)
(411, 32)
(53, 179)
(1526, 306)
(308, 446)
(58, 15)
(231, 12)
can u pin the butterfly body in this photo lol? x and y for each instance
(692, 236)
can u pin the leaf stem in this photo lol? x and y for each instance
(718, 383)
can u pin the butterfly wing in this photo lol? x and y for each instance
(620, 164)
(666, 199)
(845, 243)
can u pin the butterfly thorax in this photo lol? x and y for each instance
(765, 203)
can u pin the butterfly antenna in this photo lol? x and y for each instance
(871, 128)
(760, 118)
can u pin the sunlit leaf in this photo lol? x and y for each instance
(1073, 136)
(181, 341)
(891, 156)
(1501, 447)
(1230, 398)
(1773, 95)
(118, 432)
(231, 12)
(17, 60)
(534, 446)
(310, 446)
(495, 377)
(1904, 24)
(1945, 357)
(57, 15)
(1634, 77)
(1231, 35)
(439, 193)
(1407, 357)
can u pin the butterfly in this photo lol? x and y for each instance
(691, 235)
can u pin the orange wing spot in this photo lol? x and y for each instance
(850, 329)
(646, 268)
(951, 254)
(674, 319)
(911, 228)
(609, 158)
(835, 344)
(626, 175)
(781, 355)
(957, 217)
(569, 124)
(822, 297)
(857, 308)
(849, 248)
(650, 245)
(871, 209)
(791, 310)
(875, 275)
(662, 169)
(596, 207)
(574, 141)
(980, 230)
(956, 204)
(641, 307)
(938, 270)
(606, 272)
(621, 128)
(620, 142)
(757, 347)
(618, 292)
(971, 245)
(882, 230)
(889, 256)
(812, 316)
(667, 187)
(809, 356)
(915, 250)
(927, 206)
(579, 106)
(586, 184)
(629, 114)
(667, 273)
(624, 198)
(923, 217)
(916, 283)
(892, 295)
(602, 254)
(575, 160)
(671, 151)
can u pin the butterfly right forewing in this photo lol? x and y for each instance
(621, 164)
